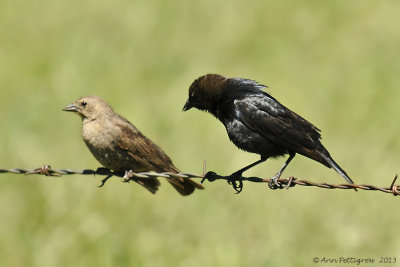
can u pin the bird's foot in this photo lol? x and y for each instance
(236, 180)
(105, 180)
(209, 176)
(103, 171)
(274, 183)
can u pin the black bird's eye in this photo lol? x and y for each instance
(83, 103)
(193, 96)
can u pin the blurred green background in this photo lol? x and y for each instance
(336, 63)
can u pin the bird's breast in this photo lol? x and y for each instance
(102, 141)
(99, 134)
(250, 140)
(240, 135)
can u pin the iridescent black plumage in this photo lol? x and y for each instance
(256, 122)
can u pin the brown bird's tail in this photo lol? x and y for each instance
(150, 184)
(184, 186)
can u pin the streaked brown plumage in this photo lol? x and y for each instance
(120, 146)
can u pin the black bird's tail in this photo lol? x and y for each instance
(328, 159)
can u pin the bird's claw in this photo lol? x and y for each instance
(104, 171)
(274, 183)
(209, 176)
(105, 180)
(236, 180)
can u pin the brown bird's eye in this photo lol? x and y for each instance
(83, 103)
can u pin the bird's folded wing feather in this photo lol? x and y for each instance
(143, 150)
(277, 123)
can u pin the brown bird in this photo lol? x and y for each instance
(256, 122)
(120, 146)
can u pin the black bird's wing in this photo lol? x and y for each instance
(266, 116)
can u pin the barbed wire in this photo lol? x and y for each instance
(210, 176)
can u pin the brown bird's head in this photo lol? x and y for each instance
(205, 92)
(89, 107)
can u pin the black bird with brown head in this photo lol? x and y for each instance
(256, 122)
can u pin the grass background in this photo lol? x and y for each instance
(335, 63)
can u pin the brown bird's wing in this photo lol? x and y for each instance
(147, 156)
(272, 120)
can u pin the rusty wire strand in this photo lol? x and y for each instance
(210, 176)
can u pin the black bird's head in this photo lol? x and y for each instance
(205, 92)
(89, 107)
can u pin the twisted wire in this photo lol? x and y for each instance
(209, 176)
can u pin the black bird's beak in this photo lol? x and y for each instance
(71, 107)
(187, 105)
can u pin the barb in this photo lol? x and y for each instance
(209, 176)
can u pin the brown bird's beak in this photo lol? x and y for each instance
(187, 105)
(71, 107)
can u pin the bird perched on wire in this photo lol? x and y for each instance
(256, 122)
(120, 146)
